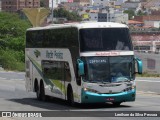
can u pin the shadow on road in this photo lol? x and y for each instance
(58, 104)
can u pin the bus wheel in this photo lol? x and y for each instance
(37, 92)
(116, 104)
(70, 98)
(42, 92)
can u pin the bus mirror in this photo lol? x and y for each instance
(80, 67)
(139, 65)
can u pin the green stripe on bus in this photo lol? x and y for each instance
(57, 83)
(39, 69)
(61, 86)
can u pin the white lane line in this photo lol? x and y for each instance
(1, 78)
(12, 72)
(16, 79)
(7, 72)
(21, 73)
(148, 81)
(149, 92)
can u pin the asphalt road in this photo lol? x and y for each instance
(13, 97)
(10, 75)
(150, 85)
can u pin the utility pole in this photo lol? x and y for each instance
(33, 4)
(109, 15)
(52, 12)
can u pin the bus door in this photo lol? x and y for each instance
(54, 72)
(67, 78)
(59, 81)
(29, 74)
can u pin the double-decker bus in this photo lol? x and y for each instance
(90, 62)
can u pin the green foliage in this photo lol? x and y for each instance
(66, 14)
(42, 4)
(11, 60)
(11, 25)
(130, 13)
(12, 41)
(140, 13)
(146, 74)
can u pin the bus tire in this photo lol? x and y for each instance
(37, 91)
(116, 104)
(42, 92)
(70, 97)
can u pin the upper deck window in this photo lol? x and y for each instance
(102, 39)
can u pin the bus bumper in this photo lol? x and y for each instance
(90, 97)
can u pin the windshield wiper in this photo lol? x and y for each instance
(93, 81)
(98, 81)
(122, 81)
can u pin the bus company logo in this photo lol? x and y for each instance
(37, 53)
(107, 53)
(51, 54)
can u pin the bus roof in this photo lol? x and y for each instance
(82, 25)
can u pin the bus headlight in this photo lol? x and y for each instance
(133, 87)
(129, 88)
(90, 90)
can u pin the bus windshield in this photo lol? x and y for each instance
(109, 69)
(102, 39)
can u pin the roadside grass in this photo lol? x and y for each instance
(146, 74)
(9, 60)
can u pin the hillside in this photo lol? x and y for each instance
(12, 41)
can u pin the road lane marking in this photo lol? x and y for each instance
(148, 81)
(146, 92)
(7, 72)
(21, 73)
(1, 78)
(16, 79)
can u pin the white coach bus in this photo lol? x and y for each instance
(82, 62)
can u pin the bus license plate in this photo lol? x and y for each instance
(110, 99)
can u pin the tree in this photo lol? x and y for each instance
(12, 40)
(140, 13)
(42, 4)
(61, 12)
(130, 13)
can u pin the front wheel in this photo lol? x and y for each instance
(71, 98)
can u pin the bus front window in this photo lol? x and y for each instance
(121, 68)
(98, 69)
(109, 69)
(104, 39)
